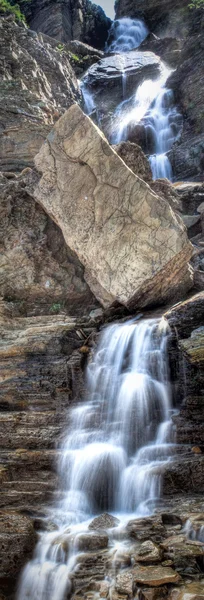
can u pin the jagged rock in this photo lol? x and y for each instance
(39, 274)
(100, 214)
(148, 553)
(104, 79)
(153, 593)
(90, 541)
(190, 591)
(186, 316)
(105, 521)
(17, 541)
(37, 85)
(69, 20)
(149, 528)
(161, 16)
(168, 48)
(135, 159)
(40, 365)
(193, 347)
(124, 583)
(191, 196)
(154, 576)
(164, 189)
(187, 154)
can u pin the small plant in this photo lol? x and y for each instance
(196, 4)
(60, 47)
(55, 308)
(74, 57)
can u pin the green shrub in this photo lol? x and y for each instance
(196, 4)
(7, 7)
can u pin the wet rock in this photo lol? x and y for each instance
(193, 347)
(154, 576)
(105, 521)
(149, 528)
(191, 591)
(110, 280)
(153, 593)
(168, 48)
(187, 154)
(104, 79)
(124, 583)
(90, 541)
(17, 541)
(186, 316)
(149, 553)
(161, 17)
(135, 159)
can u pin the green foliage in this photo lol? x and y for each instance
(7, 7)
(60, 47)
(74, 57)
(55, 308)
(17, 9)
(196, 4)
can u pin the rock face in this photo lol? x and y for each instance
(67, 20)
(37, 85)
(38, 273)
(187, 82)
(40, 362)
(161, 17)
(110, 215)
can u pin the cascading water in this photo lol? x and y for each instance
(126, 34)
(117, 445)
(152, 105)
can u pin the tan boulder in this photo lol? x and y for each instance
(155, 576)
(133, 247)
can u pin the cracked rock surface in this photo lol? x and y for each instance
(133, 247)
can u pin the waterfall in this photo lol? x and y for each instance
(117, 444)
(151, 107)
(126, 34)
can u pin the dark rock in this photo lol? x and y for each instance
(168, 48)
(187, 155)
(104, 81)
(135, 159)
(17, 541)
(66, 20)
(39, 274)
(105, 521)
(90, 541)
(186, 316)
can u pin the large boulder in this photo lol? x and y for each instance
(133, 247)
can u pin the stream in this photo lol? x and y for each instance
(117, 444)
(120, 436)
(151, 106)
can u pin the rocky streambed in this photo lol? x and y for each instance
(88, 239)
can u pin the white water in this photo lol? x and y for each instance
(194, 531)
(126, 34)
(152, 105)
(114, 452)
